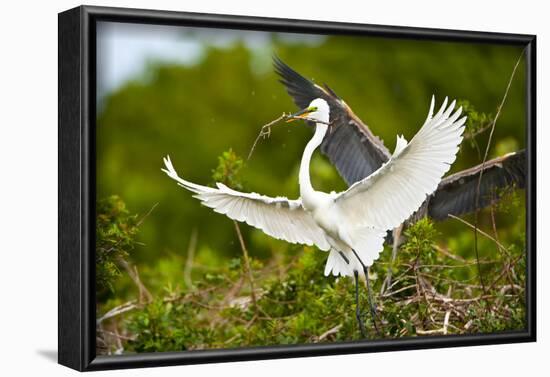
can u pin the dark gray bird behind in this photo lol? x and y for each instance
(456, 193)
(356, 153)
(351, 147)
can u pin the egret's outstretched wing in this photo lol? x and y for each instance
(351, 146)
(356, 153)
(456, 194)
(391, 194)
(279, 217)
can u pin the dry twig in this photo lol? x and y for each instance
(144, 295)
(265, 131)
(247, 265)
(329, 332)
(190, 256)
(476, 213)
(501, 246)
(130, 305)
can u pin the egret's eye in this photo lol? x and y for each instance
(312, 109)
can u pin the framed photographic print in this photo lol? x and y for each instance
(239, 188)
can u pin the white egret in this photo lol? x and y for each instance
(350, 225)
(356, 152)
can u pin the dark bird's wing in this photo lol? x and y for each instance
(351, 146)
(456, 194)
(357, 153)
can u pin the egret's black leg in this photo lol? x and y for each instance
(372, 304)
(371, 300)
(357, 307)
(344, 257)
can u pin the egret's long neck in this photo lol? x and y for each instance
(306, 190)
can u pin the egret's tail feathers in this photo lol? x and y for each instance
(367, 243)
(337, 265)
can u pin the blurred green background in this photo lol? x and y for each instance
(194, 93)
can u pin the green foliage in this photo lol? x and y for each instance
(510, 199)
(420, 241)
(193, 112)
(486, 320)
(295, 308)
(228, 170)
(116, 238)
(476, 122)
(164, 325)
(297, 304)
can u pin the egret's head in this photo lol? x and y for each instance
(318, 110)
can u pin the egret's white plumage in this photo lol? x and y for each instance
(278, 217)
(356, 219)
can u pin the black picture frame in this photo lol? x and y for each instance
(76, 187)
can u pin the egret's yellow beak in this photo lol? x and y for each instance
(300, 114)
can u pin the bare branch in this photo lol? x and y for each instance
(247, 265)
(265, 131)
(329, 332)
(144, 294)
(483, 166)
(146, 215)
(117, 310)
(190, 256)
(501, 246)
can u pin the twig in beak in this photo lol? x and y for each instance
(265, 131)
